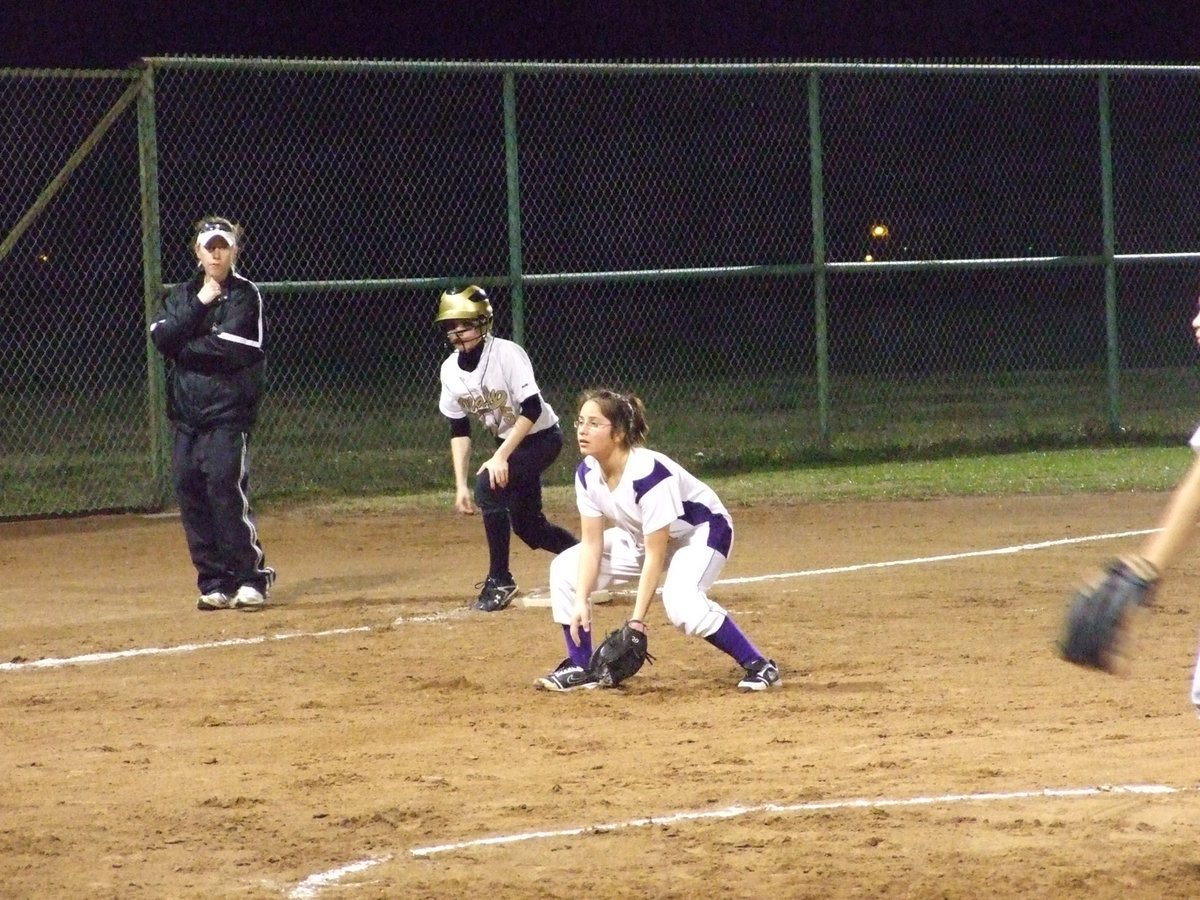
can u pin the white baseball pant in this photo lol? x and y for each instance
(691, 569)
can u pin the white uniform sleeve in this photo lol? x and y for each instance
(661, 504)
(448, 403)
(520, 375)
(586, 479)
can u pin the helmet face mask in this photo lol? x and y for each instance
(470, 305)
(464, 335)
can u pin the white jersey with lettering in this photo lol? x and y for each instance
(494, 391)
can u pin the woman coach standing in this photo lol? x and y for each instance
(213, 332)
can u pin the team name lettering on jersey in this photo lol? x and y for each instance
(490, 404)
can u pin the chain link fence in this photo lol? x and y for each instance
(788, 262)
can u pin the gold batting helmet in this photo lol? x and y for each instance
(471, 304)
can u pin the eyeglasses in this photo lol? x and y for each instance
(589, 424)
(213, 226)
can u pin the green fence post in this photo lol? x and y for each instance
(511, 168)
(156, 393)
(1110, 266)
(817, 181)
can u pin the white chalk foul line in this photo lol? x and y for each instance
(109, 656)
(311, 886)
(814, 806)
(54, 663)
(945, 557)
(920, 560)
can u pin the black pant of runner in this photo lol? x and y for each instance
(212, 484)
(519, 505)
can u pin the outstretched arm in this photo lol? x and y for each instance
(1182, 512)
(1178, 524)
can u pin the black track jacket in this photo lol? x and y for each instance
(217, 354)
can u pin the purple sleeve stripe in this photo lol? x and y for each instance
(720, 529)
(641, 485)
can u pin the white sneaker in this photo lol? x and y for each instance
(248, 597)
(215, 600)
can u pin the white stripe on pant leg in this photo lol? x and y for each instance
(244, 479)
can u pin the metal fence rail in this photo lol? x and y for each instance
(788, 261)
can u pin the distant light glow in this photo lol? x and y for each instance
(43, 257)
(879, 231)
(868, 258)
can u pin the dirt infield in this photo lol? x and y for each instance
(368, 737)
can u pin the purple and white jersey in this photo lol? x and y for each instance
(654, 491)
(494, 391)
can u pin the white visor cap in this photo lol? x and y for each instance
(211, 232)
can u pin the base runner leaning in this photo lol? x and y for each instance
(492, 379)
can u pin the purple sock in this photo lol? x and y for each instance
(581, 655)
(730, 639)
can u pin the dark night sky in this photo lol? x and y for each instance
(90, 34)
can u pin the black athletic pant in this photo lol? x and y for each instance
(518, 507)
(212, 483)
